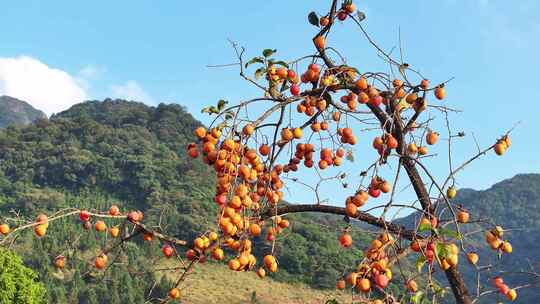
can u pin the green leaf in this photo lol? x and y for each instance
(210, 110)
(255, 60)
(350, 156)
(222, 125)
(229, 115)
(214, 110)
(259, 72)
(313, 19)
(450, 233)
(441, 250)
(221, 104)
(268, 52)
(420, 262)
(205, 110)
(438, 289)
(424, 227)
(282, 63)
(417, 297)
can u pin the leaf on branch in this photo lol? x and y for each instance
(222, 125)
(313, 19)
(210, 110)
(361, 16)
(282, 63)
(268, 52)
(424, 227)
(441, 250)
(229, 115)
(420, 262)
(438, 289)
(259, 72)
(221, 104)
(450, 233)
(254, 60)
(350, 156)
(417, 297)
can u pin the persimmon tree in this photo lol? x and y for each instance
(310, 113)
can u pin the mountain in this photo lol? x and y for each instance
(513, 204)
(17, 112)
(114, 151)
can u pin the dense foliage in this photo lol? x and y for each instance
(133, 155)
(18, 283)
(17, 112)
(128, 150)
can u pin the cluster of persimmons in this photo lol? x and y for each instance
(250, 179)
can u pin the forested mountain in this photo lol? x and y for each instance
(17, 112)
(133, 155)
(515, 205)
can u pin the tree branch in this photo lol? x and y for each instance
(362, 216)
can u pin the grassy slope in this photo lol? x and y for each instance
(215, 283)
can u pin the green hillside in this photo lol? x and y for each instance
(515, 205)
(133, 155)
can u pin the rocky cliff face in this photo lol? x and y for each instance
(17, 112)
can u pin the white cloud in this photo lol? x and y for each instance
(131, 90)
(48, 89)
(91, 71)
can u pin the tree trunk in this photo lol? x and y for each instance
(455, 279)
(458, 286)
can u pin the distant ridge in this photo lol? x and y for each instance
(14, 111)
(514, 204)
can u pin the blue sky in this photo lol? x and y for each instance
(157, 51)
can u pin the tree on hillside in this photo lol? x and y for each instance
(18, 283)
(310, 114)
